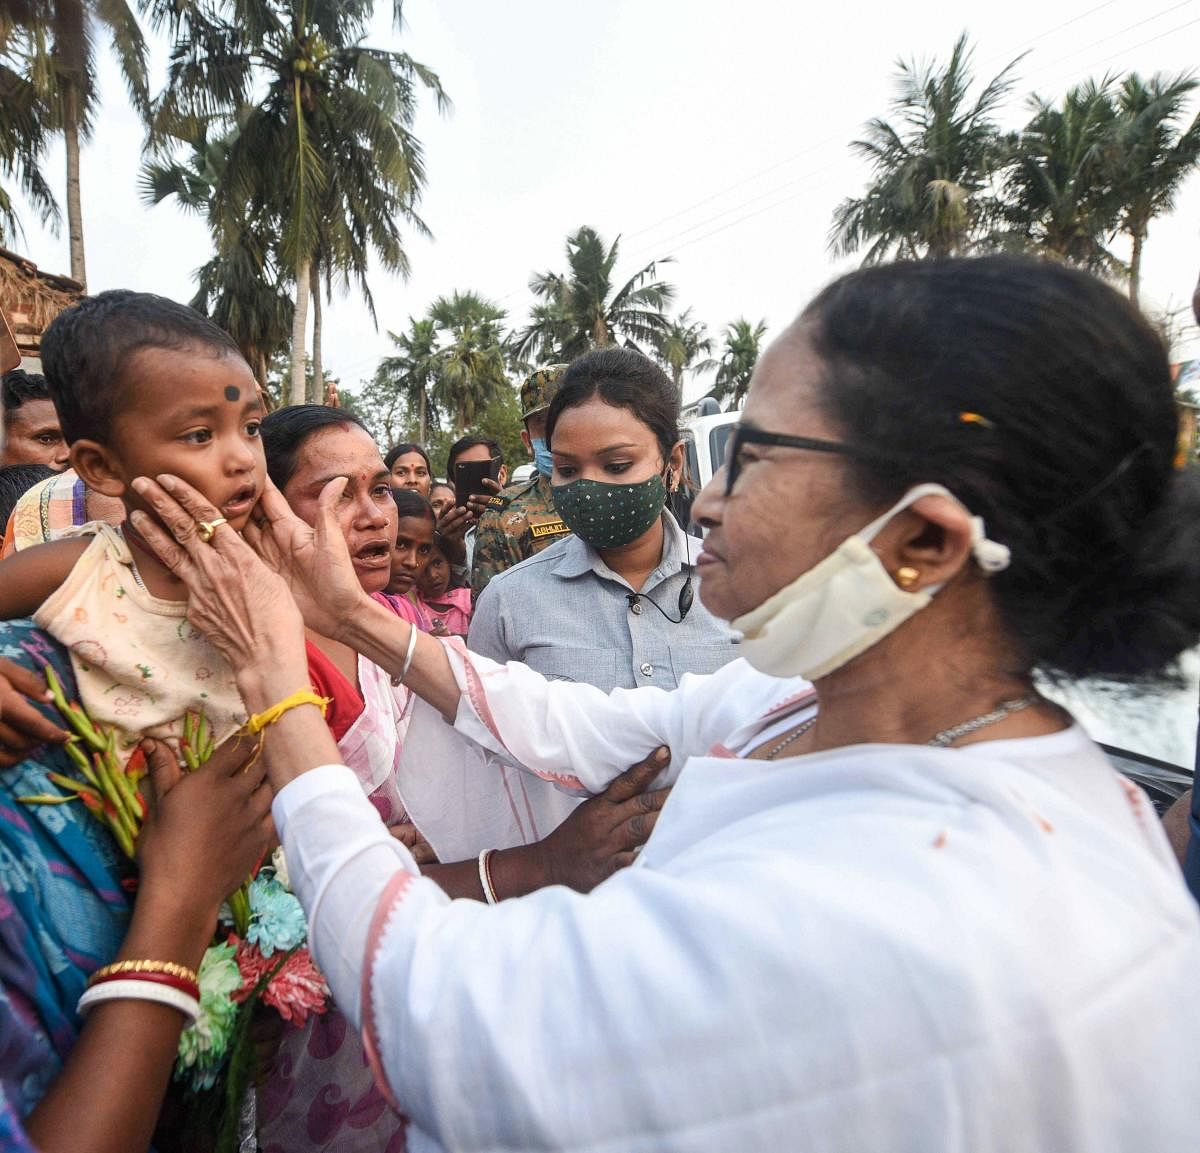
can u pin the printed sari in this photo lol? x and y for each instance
(63, 911)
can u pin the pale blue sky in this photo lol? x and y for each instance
(714, 132)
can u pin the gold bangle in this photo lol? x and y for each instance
(260, 721)
(170, 968)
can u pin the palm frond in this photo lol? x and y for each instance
(931, 163)
(130, 47)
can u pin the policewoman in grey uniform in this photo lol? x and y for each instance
(614, 603)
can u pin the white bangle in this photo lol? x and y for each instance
(398, 679)
(485, 877)
(141, 991)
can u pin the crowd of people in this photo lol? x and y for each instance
(608, 835)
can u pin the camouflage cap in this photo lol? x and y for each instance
(538, 389)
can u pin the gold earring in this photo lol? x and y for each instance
(906, 576)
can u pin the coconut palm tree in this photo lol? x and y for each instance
(324, 146)
(360, 218)
(742, 343)
(471, 356)
(411, 374)
(580, 309)
(930, 193)
(1059, 188)
(26, 124)
(551, 329)
(682, 346)
(1152, 157)
(243, 293)
(61, 38)
(240, 287)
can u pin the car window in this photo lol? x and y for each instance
(718, 440)
(1158, 722)
(684, 497)
(691, 461)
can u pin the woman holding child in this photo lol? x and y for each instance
(96, 1085)
(137, 381)
(929, 918)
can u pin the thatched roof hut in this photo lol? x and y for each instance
(31, 299)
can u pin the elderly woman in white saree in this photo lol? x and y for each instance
(928, 917)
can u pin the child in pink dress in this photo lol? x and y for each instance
(445, 606)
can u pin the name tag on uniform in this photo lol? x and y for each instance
(495, 501)
(547, 528)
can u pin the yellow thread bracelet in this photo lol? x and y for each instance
(260, 721)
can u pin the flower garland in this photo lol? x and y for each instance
(260, 952)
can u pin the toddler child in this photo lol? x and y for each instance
(142, 386)
(448, 606)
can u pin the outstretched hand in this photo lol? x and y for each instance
(234, 599)
(313, 559)
(414, 841)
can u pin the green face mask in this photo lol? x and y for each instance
(610, 515)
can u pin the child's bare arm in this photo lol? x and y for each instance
(28, 577)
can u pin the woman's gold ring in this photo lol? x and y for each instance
(206, 529)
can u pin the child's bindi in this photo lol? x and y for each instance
(232, 394)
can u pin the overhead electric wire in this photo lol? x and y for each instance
(1021, 49)
(1120, 32)
(1135, 47)
(680, 238)
(779, 204)
(676, 241)
(1018, 50)
(747, 180)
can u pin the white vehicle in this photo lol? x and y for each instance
(706, 432)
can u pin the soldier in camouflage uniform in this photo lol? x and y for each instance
(527, 523)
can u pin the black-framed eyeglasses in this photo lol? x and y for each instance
(747, 434)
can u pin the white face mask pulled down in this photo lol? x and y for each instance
(846, 603)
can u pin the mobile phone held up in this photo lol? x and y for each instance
(469, 476)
